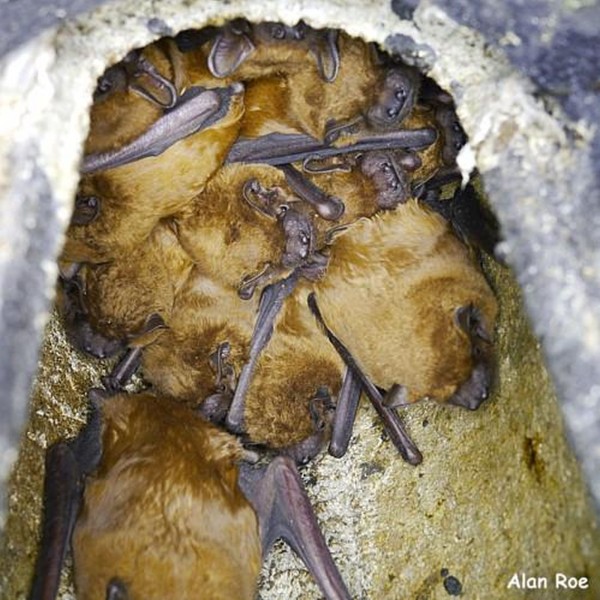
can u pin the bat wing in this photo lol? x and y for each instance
(280, 148)
(328, 207)
(271, 302)
(284, 511)
(62, 498)
(67, 463)
(196, 109)
(392, 423)
(345, 414)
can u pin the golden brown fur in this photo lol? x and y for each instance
(392, 288)
(294, 365)
(205, 315)
(135, 196)
(432, 157)
(121, 295)
(225, 236)
(302, 101)
(163, 512)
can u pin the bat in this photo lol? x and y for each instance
(135, 196)
(120, 296)
(247, 219)
(115, 492)
(470, 220)
(403, 277)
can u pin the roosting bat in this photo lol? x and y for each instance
(152, 499)
(120, 296)
(135, 196)
(247, 229)
(414, 312)
(411, 305)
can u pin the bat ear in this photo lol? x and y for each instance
(469, 319)
(326, 52)
(116, 590)
(230, 49)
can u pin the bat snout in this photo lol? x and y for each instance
(475, 390)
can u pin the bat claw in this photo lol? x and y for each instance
(396, 396)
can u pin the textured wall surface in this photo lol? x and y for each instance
(533, 142)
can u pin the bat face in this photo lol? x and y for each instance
(163, 514)
(396, 98)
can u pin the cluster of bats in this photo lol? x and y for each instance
(263, 225)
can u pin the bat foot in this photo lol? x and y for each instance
(123, 371)
(314, 165)
(264, 200)
(334, 131)
(321, 409)
(250, 283)
(396, 396)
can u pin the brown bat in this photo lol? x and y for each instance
(248, 51)
(429, 280)
(154, 504)
(134, 196)
(247, 229)
(414, 311)
(120, 296)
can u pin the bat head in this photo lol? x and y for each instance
(396, 98)
(472, 392)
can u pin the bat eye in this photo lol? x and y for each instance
(386, 167)
(392, 112)
(278, 32)
(400, 93)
